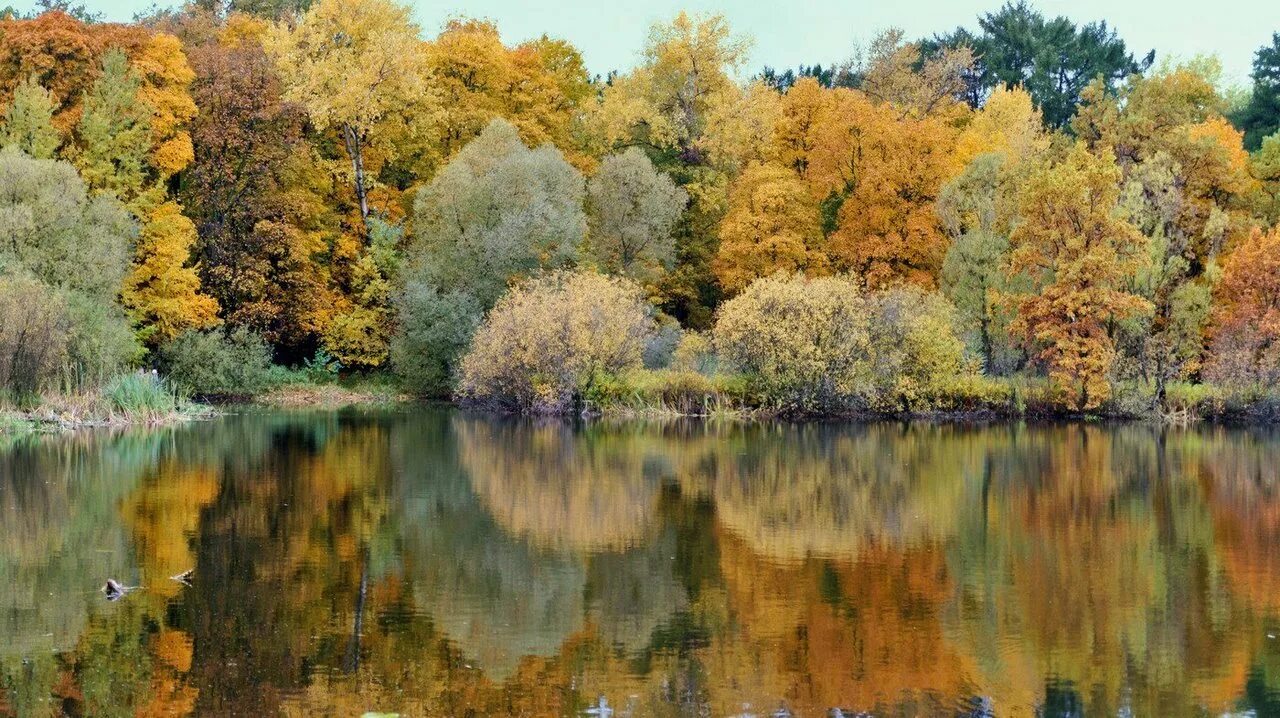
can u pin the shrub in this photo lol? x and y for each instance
(34, 323)
(544, 342)
(140, 395)
(914, 346)
(972, 393)
(435, 328)
(695, 353)
(101, 342)
(659, 350)
(804, 341)
(217, 364)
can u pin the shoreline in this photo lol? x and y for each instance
(333, 397)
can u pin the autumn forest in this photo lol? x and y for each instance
(1023, 215)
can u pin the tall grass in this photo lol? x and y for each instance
(140, 396)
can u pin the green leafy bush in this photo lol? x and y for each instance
(435, 329)
(914, 348)
(217, 364)
(695, 353)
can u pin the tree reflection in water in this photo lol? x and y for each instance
(435, 563)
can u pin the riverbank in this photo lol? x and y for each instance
(135, 399)
(146, 400)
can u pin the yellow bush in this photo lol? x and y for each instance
(545, 342)
(805, 342)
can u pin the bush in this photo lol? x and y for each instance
(217, 364)
(102, 342)
(805, 342)
(544, 342)
(662, 343)
(914, 346)
(695, 354)
(140, 395)
(34, 324)
(435, 328)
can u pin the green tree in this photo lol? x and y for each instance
(496, 212)
(1261, 117)
(113, 135)
(52, 229)
(632, 209)
(973, 271)
(1051, 58)
(28, 122)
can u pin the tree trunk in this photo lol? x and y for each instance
(356, 152)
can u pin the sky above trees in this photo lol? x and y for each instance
(609, 35)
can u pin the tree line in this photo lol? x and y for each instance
(330, 181)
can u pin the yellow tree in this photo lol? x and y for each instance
(165, 89)
(883, 172)
(539, 86)
(161, 292)
(772, 225)
(1008, 123)
(356, 66)
(801, 118)
(1072, 242)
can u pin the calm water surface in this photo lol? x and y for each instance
(434, 563)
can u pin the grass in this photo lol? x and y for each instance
(124, 399)
(309, 389)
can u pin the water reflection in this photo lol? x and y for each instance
(434, 563)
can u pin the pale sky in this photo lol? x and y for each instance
(610, 33)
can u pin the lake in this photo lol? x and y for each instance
(432, 562)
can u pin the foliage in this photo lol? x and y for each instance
(803, 342)
(913, 347)
(540, 86)
(546, 342)
(632, 209)
(882, 172)
(114, 135)
(497, 212)
(435, 329)
(355, 66)
(160, 292)
(28, 122)
(675, 105)
(1246, 333)
(256, 257)
(1260, 118)
(1051, 58)
(214, 363)
(973, 272)
(1073, 246)
(50, 228)
(695, 353)
(772, 225)
(33, 335)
